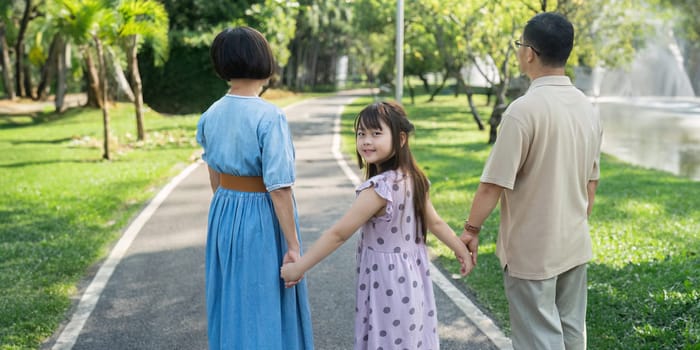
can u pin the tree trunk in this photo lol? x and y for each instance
(136, 86)
(105, 111)
(693, 67)
(48, 71)
(313, 63)
(95, 96)
(439, 88)
(411, 92)
(28, 87)
(61, 74)
(6, 66)
(299, 67)
(426, 85)
(500, 105)
(495, 120)
(470, 101)
(117, 78)
(19, 50)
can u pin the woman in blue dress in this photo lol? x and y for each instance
(253, 226)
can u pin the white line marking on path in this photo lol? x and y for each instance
(70, 334)
(484, 323)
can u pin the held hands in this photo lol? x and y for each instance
(471, 240)
(465, 259)
(289, 271)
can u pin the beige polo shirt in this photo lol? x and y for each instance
(547, 150)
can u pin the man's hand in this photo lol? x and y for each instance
(471, 240)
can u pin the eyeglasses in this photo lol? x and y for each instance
(518, 43)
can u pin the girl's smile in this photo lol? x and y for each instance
(374, 145)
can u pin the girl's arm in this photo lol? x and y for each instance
(367, 204)
(214, 179)
(444, 233)
(284, 210)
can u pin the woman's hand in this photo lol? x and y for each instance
(290, 274)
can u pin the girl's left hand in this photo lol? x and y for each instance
(467, 264)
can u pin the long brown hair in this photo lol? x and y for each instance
(393, 115)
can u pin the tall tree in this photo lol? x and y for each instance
(142, 21)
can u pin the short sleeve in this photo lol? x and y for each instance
(381, 186)
(277, 151)
(201, 139)
(508, 154)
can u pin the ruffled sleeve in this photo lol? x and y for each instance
(380, 184)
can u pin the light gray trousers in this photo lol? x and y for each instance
(548, 314)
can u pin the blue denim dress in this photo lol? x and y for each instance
(248, 306)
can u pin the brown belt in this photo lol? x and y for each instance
(242, 183)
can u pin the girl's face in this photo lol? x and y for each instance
(374, 145)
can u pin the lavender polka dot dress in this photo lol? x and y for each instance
(395, 304)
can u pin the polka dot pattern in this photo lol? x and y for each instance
(395, 305)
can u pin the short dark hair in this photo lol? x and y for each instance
(552, 35)
(242, 53)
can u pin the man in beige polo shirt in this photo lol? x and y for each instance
(544, 168)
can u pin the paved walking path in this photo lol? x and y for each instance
(149, 294)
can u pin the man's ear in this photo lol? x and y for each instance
(530, 55)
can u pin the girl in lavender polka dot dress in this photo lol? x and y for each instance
(395, 304)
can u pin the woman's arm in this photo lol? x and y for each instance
(444, 233)
(284, 210)
(367, 204)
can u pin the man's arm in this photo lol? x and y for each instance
(485, 200)
(591, 188)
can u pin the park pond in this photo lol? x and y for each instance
(654, 132)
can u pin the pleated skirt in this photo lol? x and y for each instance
(248, 306)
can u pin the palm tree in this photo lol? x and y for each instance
(142, 21)
(89, 22)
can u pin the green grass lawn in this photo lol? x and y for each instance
(644, 282)
(62, 206)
